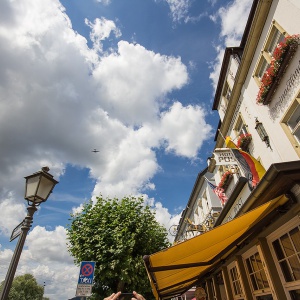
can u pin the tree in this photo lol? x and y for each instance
(116, 234)
(25, 287)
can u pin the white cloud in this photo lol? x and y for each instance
(165, 218)
(53, 243)
(134, 81)
(233, 19)
(45, 256)
(104, 2)
(101, 30)
(14, 214)
(184, 129)
(59, 98)
(179, 9)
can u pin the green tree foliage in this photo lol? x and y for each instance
(25, 287)
(116, 234)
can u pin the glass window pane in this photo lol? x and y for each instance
(278, 249)
(295, 265)
(249, 265)
(286, 271)
(258, 261)
(238, 286)
(253, 281)
(264, 279)
(295, 295)
(276, 39)
(287, 245)
(296, 134)
(295, 118)
(295, 236)
(263, 67)
(259, 280)
(254, 264)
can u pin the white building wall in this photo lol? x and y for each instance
(286, 13)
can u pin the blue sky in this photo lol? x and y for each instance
(135, 80)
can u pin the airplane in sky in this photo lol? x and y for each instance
(95, 150)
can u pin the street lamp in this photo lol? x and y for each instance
(37, 190)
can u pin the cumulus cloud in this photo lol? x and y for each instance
(133, 81)
(14, 214)
(58, 97)
(232, 19)
(165, 218)
(45, 256)
(184, 129)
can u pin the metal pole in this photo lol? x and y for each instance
(15, 259)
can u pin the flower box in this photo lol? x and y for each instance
(283, 54)
(225, 180)
(244, 141)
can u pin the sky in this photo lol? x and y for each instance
(133, 79)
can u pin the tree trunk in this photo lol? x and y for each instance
(120, 286)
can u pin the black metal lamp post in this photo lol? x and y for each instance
(262, 132)
(38, 188)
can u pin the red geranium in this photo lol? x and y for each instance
(272, 70)
(244, 138)
(226, 176)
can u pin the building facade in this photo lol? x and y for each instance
(246, 246)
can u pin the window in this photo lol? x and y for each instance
(285, 248)
(240, 126)
(236, 283)
(291, 124)
(258, 278)
(275, 36)
(263, 66)
(226, 91)
(294, 122)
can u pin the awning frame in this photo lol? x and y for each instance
(213, 263)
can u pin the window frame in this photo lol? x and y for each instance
(265, 54)
(265, 290)
(239, 280)
(286, 128)
(276, 235)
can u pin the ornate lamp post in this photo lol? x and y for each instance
(262, 132)
(38, 188)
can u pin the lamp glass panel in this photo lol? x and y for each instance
(261, 131)
(45, 188)
(31, 186)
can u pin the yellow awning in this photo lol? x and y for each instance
(176, 269)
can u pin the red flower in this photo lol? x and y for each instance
(272, 70)
(243, 138)
(224, 178)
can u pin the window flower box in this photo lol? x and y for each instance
(225, 180)
(282, 56)
(244, 141)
